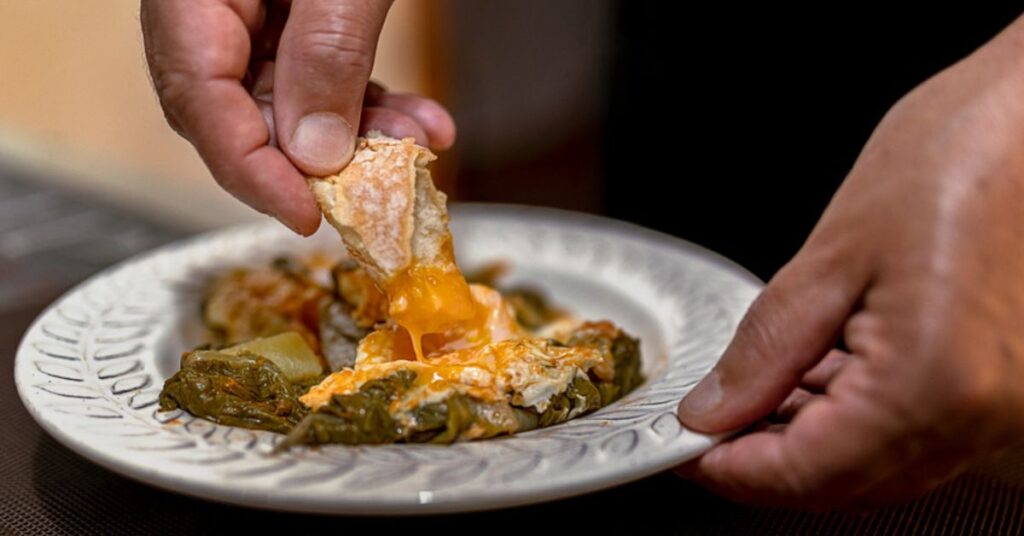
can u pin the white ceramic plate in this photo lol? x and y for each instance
(91, 367)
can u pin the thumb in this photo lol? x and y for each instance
(324, 61)
(788, 328)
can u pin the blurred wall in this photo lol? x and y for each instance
(528, 88)
(75, 98)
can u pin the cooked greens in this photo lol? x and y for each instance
(619, 348)
(303, 332)
(251, 391)
(234, 389)
(363, 417)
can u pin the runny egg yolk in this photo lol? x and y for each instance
(488, 319)
(430, 300)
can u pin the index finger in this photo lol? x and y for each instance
(198, 52)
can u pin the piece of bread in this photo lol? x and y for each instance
(386, 208)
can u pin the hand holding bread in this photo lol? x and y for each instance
(270, 92)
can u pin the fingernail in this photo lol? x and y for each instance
(322, 143)
(705, 396)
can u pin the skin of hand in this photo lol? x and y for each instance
(269, 92)
(917, 266)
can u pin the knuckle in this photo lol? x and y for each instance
(824, 257)
(405, 125)
(759, 330)
(827, 250)
(755, 332)
(338, 41)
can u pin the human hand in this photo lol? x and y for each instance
(268, 92)
(918, 265)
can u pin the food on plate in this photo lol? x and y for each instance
(393, 344)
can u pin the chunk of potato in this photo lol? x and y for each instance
(288, 351)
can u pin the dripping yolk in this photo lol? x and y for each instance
(493, 321)
(430, 299)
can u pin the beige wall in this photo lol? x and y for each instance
(75, 99)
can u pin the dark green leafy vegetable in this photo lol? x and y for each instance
(582, 396)
(445, 422)
(621, 349)
(628, 376)
(531, 307)
(257, 384)
(238, 390)
(363, 417)
(251, 391)
(360, 417)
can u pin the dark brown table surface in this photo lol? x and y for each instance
(51, 239)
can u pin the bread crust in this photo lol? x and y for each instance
(385, 206)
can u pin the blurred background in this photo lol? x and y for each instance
(76, 98)
(729, 127)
